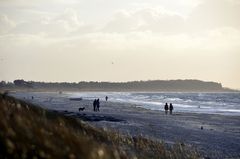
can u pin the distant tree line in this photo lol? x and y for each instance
(152, 85)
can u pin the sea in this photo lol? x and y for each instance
(207, 103)
(210, 103)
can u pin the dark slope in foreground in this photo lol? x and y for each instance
(28, 131)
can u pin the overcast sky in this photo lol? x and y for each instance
(120, 40)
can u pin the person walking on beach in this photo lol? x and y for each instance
(166, 108)
(98, 104)
(94, 105)
(106, 98)
(171, 108)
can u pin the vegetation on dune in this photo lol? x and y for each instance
(27, 131)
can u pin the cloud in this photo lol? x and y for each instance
(212, 14)
(6, 25)
(149, 27)
(61, 24)
(33, 3)
(155, 19)
(207, 15)
(69, 20)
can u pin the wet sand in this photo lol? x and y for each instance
(219, 138)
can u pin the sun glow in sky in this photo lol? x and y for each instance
(112, 40)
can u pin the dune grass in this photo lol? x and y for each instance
(28, 131)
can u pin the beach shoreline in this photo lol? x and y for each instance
(216, 136)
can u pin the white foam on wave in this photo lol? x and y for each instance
(230, 110)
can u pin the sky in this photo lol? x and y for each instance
(120, 40)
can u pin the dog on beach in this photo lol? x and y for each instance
(81, 109)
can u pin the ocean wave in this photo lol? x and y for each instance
(217, 103)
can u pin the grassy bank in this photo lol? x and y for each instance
(28, 131)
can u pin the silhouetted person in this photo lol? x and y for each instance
(171, 108)
(32, 97)
(166, 108)
(94, 105)
(98, 104)
(106, 98)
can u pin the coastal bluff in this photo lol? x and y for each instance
(146, 86)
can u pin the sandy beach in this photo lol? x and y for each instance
(218, 138)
